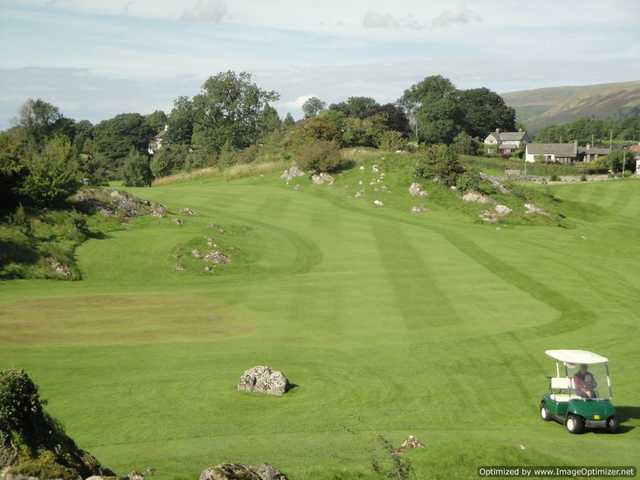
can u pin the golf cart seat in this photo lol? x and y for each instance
(565, 385)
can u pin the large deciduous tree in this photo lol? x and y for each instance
(229, 109)
(484, 111)
(312, 107)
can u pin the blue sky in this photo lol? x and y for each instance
(97, 58)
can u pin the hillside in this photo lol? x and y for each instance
(546, 106)
(388, 322)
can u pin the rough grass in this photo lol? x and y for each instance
(388, 323)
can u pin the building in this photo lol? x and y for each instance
(551, 152)
(635, 151)
(591, 154)
(505, 143)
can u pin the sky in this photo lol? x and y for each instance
(97, 58)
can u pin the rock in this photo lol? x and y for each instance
(322, 178)
(179, 267)
(534, 209)
(292, 173)
(476, 197)
(495, 181)
(187, 211)
(210, 242)
(502, 210)
(359, 194)
(135, 476)
(178, 221)
(375, 168)
(195, 253)
(418, 209)
(415, 190)
(59, 268)
(217, 257)
(208, 269)
(378, 203)
(410, 443)
(264, 380)
(361, 167)
(297, 188)
(236, 471)
(111, 203)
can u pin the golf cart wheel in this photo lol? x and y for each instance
(613, 424)
(544, 413)
(574, 424)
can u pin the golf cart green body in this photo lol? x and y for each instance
(580, 392)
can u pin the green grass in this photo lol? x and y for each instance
(388, 323)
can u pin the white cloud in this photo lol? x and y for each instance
(213, 11)
(463, 16)
(386, 21)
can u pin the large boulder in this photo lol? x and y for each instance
(236, 471)
(265, 380)
(472, 196)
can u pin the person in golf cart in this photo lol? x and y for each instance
(585, 383)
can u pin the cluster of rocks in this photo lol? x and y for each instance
(409, 444)
(416, 209)
(495, 181)
(59, 268)
(322, 179)
(217, 257)
(292, 173)
(111, 203)
(472, 196)
(264, 380)
(236, 471)
(186, 211)
(416, 190)
(492, 216)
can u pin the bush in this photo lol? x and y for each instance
(315, 129)
(20, 404)
(392, 140)
(440, 163)
(136, 171)
(464, 144)
(53, 174)
(320, 156)
(468, 181)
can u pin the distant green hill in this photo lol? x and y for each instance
(546, 106)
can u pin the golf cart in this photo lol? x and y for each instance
(580, 392)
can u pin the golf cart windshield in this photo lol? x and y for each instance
(589, 381)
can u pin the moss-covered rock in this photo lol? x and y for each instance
(33, 444)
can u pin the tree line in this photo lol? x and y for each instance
(592, 131)
(45, 156)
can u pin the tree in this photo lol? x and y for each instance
(358, 107)
(429, 90)
(289, 121)
(13, 146)
(38, 118)
(156, 120)
(312, 107)
(228, 109)
(52, 174)
(464, 144)
(83, 138)
(169, 159)
(484, 111)
(180, 121)
(136, 171)
(268, 121)
(115, 138)
(441, 164)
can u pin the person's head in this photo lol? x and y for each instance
(584, 368)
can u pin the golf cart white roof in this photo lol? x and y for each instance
(576, 356)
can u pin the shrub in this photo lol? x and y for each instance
(468, 181)
(53, 174)
(464, 144)
(20, 404)
(554, 178)
(392, 140)
(247, 155)
(440, 163)
(320, 156)
(136, 171)
(315, 129)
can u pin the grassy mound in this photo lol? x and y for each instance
(31, 442)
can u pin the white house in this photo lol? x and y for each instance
(551, 152)
(506, 142)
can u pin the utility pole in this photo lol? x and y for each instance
(610, 140)
(624, 159)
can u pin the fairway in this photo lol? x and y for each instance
(388, 324)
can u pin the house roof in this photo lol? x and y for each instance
(511, 136)
(594, 150)
(635, 148)
(557, 149)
